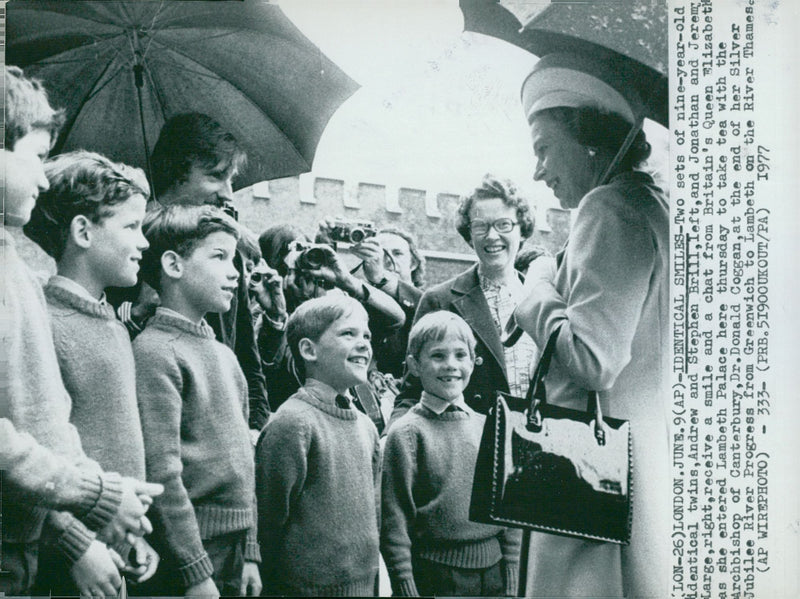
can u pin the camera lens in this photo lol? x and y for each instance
(357, 235)
(313, 258)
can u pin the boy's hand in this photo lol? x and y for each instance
(205, 589)
(143, 561)
(136, 499)
(145, 305)
(96, 574)
(251, 580)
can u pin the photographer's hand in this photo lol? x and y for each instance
(324, 230)
(374, 258)
(269, 293)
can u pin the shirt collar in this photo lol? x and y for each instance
(175, 314)
(322, 391)
(74, 287)
(437, 405)
(512, 282)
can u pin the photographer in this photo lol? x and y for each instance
(299, 270)
(392, 263)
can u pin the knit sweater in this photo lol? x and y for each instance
(428, 469)
(96, 360)
(193, 406)
(37, 403)
(317, 475)
(46, 478)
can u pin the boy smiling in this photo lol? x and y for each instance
(427, 540)
(318, 461)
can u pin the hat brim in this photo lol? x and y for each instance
(567, 80)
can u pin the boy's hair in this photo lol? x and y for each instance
(312, 318)
(81, 183)
(434, 326)
(27, 108)
(248, 244)
(179, 229)
(192, 139)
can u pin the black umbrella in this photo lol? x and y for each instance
(120, 69)
(631, 36)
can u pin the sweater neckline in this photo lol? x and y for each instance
(426, 412)
(82, 304)
(332, 409)
(170, 319)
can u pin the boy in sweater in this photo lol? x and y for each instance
(318, 462)
(427, 540)
(90, 222)
(36, 406)
(193, 406)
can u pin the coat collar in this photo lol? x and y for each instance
(472, 306)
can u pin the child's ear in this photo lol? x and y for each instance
(413, 365)
(171, 264)
(307, 349)
(80, 231)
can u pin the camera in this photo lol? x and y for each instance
(310, 256)
(352, 231)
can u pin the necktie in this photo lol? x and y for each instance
(342, 402)
(452, 408)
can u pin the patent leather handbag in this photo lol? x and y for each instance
(554, 469)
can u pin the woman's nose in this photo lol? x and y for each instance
(538, 173)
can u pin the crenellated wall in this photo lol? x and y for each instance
(428, 215)
(305, 200)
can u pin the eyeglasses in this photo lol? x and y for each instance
(501, 225)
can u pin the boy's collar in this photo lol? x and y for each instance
(176, 314)
(76, 288)
(437, 405)
(322, 391)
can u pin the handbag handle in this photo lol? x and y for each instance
(537, 394)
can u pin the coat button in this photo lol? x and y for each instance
(479, 361)
(478, 397)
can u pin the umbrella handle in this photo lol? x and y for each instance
(626, 144)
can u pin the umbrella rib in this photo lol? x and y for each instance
(152, 28)
(245, 96)
(96, 90)
(93, 92)
(157, 91)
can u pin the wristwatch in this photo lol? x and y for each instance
(380, 284)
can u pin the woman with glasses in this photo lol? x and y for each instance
(494, 221)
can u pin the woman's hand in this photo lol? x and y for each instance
(541, 269)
